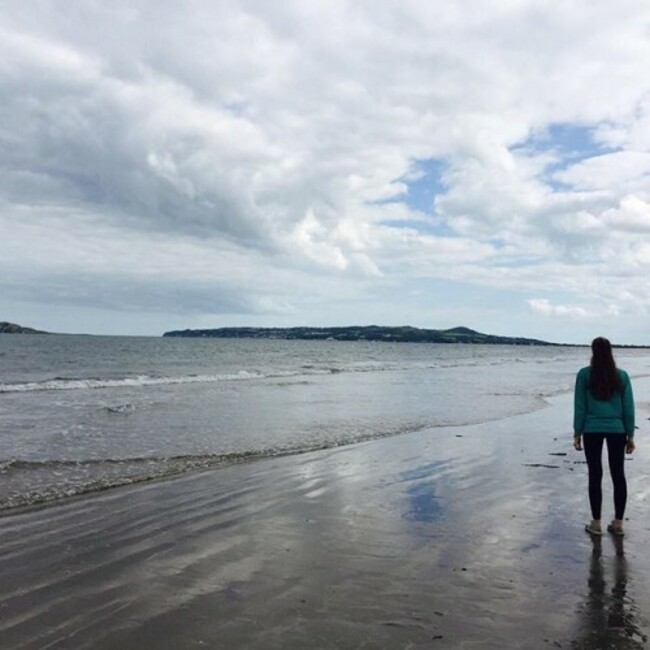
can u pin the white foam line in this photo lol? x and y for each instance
(141, 380)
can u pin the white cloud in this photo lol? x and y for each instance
(614, 171)
(633, 215)
(545, 308)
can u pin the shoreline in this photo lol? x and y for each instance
(175, 467)
(453, 537)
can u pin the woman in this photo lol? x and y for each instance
(604, 411)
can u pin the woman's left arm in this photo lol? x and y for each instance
(628, 408)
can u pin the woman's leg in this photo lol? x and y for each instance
(593, 444)
(616, 456)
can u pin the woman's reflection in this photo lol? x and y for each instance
(609, 614)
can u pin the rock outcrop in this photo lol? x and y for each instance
(12, 328)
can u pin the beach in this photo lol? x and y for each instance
(461, 537)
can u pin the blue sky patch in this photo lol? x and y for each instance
(424, 183)
(570, 143)
(573, 142)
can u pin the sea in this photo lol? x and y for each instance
(80, 414)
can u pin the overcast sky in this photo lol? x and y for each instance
(202, 163)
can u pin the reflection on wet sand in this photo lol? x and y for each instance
(609, 615)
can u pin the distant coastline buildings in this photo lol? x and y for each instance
(403, 334)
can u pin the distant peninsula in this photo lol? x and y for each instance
(12, 328)
(403, 334)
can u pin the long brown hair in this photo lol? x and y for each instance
(604, 380)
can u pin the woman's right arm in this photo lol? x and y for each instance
(579, 404)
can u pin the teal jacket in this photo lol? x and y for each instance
(603, 416)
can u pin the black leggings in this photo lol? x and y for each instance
(593, 444)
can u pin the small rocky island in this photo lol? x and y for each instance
(361, 333)
(12, 328)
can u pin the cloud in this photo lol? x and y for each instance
(595, 312)
(632, 215)
(619, 170)
(264, 156)
(545, 308)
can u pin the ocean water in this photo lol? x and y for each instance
(85, 413)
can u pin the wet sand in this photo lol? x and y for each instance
(459, 537)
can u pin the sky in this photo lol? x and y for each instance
(211, 163)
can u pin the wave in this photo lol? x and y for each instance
(143, 380)
(63, 478)
(120, 409)
(188, 459)
(72, 383)
(191, 461)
